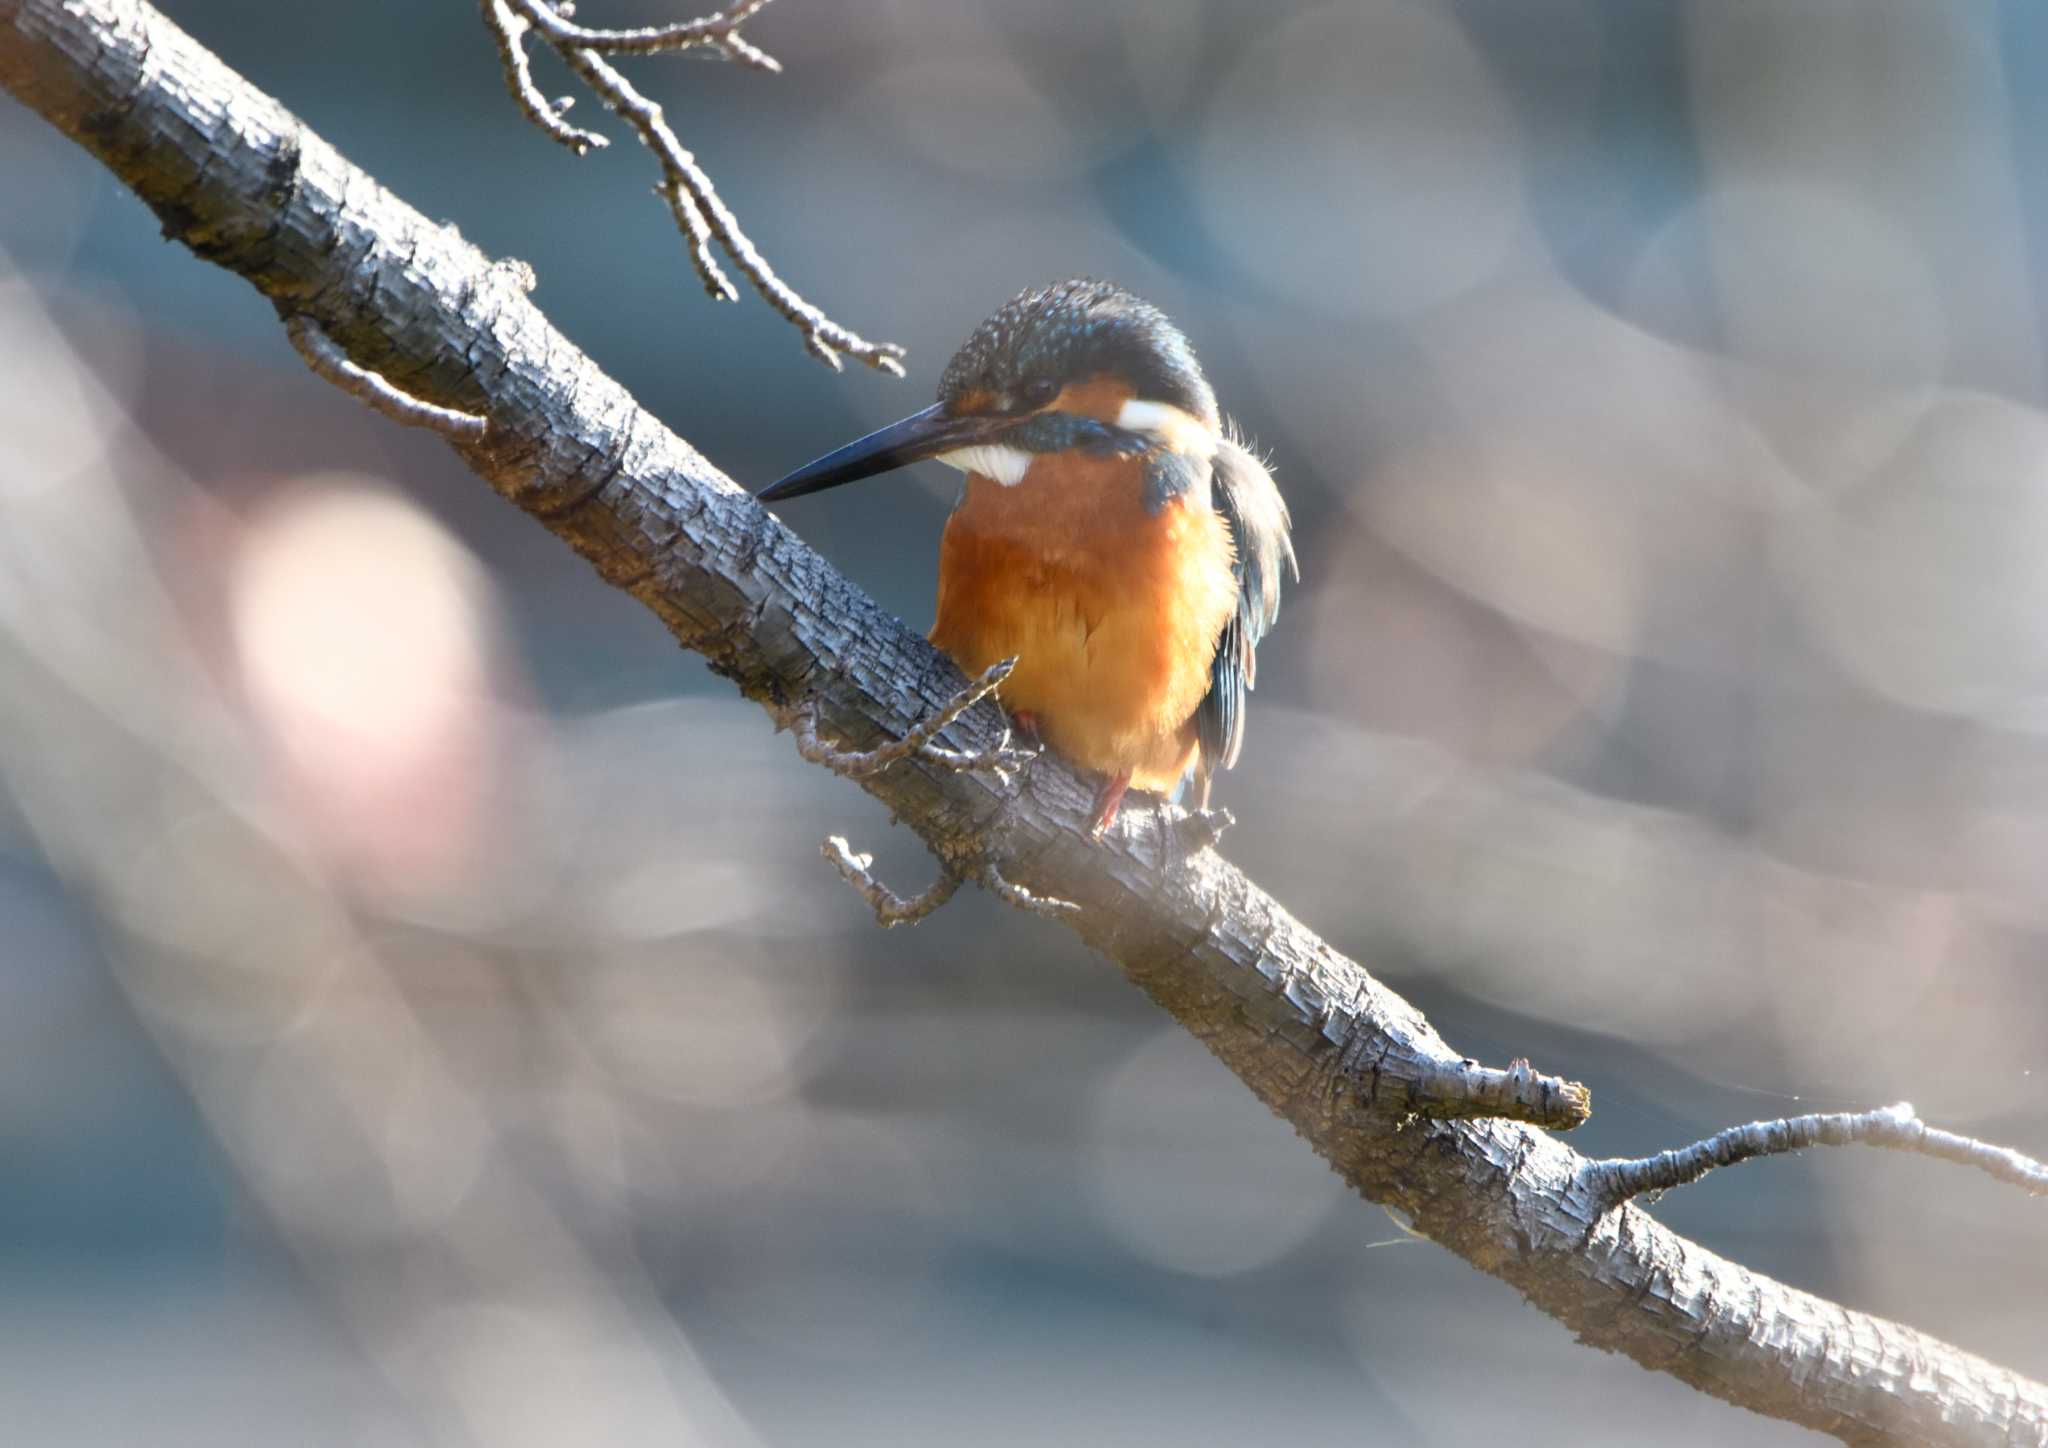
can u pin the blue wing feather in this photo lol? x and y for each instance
(1243, 492)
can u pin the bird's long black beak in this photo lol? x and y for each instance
(921, 435)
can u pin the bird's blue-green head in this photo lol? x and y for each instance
(1080, 364)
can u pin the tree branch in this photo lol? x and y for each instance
(239, 180)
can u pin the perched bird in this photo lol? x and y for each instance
(1114, 535)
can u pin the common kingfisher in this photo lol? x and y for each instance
(1115, 535)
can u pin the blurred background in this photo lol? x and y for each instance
(424, 1016)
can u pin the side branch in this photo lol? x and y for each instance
(1615, 1180)
(237, 178)
(326, 359)
(919, 738)
(889, 907)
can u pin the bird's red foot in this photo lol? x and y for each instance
(1108, 800)
(1025, 723)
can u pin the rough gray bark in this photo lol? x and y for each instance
(236, 178)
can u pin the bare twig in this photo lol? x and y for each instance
(703, 214)
(509, 31)
(684, 183)
(707, 223)
(718, 31)
(889, 907)
(320, 354)
(1899, 1127)
(892, 909)
(854, 764)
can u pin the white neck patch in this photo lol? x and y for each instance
(1168, 426)
(1007, 465)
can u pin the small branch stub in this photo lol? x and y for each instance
(1460, 1089)
(1615, 1180)
(1519, 1093)
(1202, 829)
(328, 360)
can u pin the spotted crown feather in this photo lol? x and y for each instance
(1074, 330)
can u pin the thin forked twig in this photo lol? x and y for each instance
(718, 31)
(858, 764)
(1899, 1127)
(328, 361)
(509, 31)
(707, 223)
(684, 181)
(890, 908)
(704, 216)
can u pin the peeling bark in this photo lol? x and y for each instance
(236, 178)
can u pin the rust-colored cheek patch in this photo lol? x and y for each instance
(1101, 397)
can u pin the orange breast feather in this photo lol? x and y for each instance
(1111, 611)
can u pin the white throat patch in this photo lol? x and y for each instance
(1007, 465)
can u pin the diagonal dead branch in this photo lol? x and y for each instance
(890, 908)
(1899, 1127)
(328, 360)
(919, 739)
(232, 174)
(706, 222)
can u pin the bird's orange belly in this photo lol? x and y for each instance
(1112, 612)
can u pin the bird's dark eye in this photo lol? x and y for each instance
(1035, 395)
